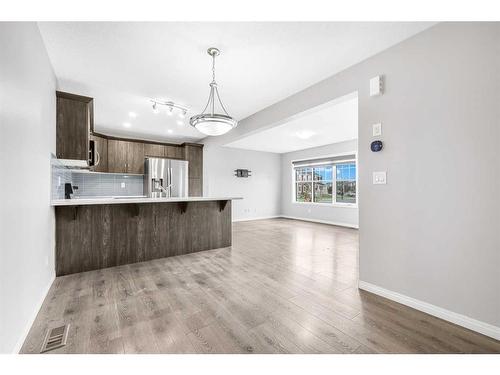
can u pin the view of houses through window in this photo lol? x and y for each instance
(331, 183)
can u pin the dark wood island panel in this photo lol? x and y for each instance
(90, 237)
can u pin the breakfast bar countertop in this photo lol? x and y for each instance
(128, 200)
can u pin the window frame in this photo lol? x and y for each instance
(334, 180)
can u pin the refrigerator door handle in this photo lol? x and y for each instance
(170, 187)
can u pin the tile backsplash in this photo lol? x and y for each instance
(106, 184)
(93, 184)
(60, 175)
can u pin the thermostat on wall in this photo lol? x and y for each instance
(376, 146)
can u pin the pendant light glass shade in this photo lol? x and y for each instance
(210, 122)
(213, 124)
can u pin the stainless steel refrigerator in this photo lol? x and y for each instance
(165, 178)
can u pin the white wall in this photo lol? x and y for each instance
(27, 137)
(261, 192)
(432, 233)
(347, 216)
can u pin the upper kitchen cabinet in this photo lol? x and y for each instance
(154, 150)
(125, 156)
(135, 157)
(193, 153)
(75, 120)
(174, 152)
(117, 156)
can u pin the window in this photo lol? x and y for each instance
(303, 190)
(346, 183)
(331, 181)
(322, 184)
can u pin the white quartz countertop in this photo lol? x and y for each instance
(125, 200)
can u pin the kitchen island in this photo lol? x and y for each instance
(98, 233)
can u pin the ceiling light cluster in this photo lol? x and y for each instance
(171, 106)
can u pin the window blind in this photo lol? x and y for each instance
(328, 160)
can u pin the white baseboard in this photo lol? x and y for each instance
(30, 322)
(255, 218)
(348, 225)
(450, 316)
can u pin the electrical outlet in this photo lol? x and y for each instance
(122, 185)
(379, 178)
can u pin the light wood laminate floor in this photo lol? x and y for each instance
(285, 286)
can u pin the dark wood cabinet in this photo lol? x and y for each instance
(98, 236)
(75, 116)
(195, 187)
(193, 153)
(75, 131)
(135, 157)
(174, 152)
(117, 156)
(155, 150)
(125, 156)
(101, 153)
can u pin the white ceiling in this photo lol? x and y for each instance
(333, 122)
(123, 65)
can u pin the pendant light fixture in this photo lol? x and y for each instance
(210, 122)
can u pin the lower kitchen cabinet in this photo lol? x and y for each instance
(99, 236)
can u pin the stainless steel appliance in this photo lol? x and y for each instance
(165, 178)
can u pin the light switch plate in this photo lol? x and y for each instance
(377, 129)
(122, 185)
(376, 86)
(379, 178)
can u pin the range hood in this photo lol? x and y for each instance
(75, 164)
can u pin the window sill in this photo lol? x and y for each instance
(336, 205)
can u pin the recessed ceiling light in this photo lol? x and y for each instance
(170, 131)
(127, 124)
(179, 122)
(132, 114)
(304, 134)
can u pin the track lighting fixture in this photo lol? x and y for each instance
(155, 108)
(171, 106)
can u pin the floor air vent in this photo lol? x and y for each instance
(55, 338)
